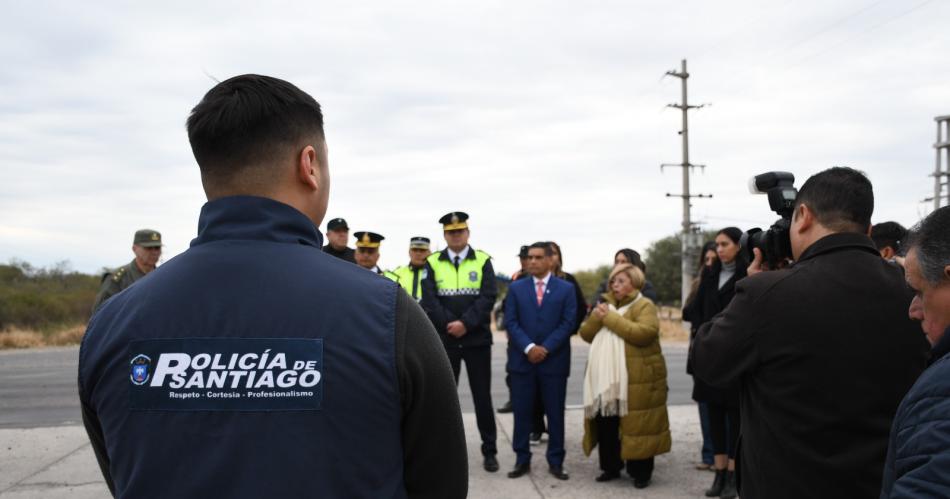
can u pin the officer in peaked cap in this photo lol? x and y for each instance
(410, 276)
(147, 247)
(367, 250)
(458, 295)
(337, 234)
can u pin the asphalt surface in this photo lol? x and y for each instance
(38, 386)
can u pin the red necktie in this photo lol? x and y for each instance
(540, 292)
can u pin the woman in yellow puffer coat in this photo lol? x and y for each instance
(629, 425)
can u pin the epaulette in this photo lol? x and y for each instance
(118, 274)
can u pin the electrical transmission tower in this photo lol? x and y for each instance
(692, 239)
(941, 172)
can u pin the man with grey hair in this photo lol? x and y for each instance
(918, 456)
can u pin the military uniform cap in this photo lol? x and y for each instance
(368, 239)
(148, 238)
(454, 221)
(337, 224)
(419, 242)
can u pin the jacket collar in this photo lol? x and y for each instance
(257, 219)
(838, 241)
(941, 348)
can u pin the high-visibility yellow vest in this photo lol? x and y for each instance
(405, 276)
(466, 280)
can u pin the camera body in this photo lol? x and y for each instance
(774, 243)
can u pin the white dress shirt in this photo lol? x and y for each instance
(462, 254)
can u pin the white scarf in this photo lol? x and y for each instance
(605, 379)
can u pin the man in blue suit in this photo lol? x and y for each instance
(539, 316)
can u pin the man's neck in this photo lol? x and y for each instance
(145, 269)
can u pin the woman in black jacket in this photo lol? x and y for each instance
(581, 312)
(716, 289)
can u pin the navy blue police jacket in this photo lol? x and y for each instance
(255, 365)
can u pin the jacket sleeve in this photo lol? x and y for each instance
(693, 311)
(481, 307)
(919, 453)
(590, 327)
(580, 306)
(98, 441)
(724, 348)
(435, 459)
(562, 333)
(439, 315)
(516, 334)
(640, 330)
(107, 288)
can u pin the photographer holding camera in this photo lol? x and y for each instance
(823, 350)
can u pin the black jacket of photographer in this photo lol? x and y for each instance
(711, 299)
(824, 352)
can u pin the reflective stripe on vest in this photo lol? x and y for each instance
(466, 280)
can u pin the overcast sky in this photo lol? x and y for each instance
(542, 120)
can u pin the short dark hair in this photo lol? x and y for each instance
(888, 235)
(931, 239)
(543, 245)
(633, 257)
(246, 121)
(841, 198)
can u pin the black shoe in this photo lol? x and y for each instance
(535, 436)
(641, 484)
(608, 476)
(717, 485)
(491, 464)
(729, 487)
(505, 409)
(519, 470)
(558, 472)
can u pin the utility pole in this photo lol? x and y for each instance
(941, 172)
(691, 241)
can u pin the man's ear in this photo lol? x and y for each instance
(946, 272)
(805, 217)
(308, 168)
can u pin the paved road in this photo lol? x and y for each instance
(38, 386)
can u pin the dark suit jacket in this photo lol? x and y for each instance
(549, 325)
(824, 352)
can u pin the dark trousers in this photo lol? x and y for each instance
(538, 407)
(524, 389)
(707, 451)
(478, 367)
(724, 428)
(608, 450)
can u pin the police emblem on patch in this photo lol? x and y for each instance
(473, 276)
(140, 365)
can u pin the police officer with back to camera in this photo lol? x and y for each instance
(337, 234)
(207, 378)
(147, 247)
(410, 276)
(823, 350)
(458, 295)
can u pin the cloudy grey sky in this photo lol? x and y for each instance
(543, 120)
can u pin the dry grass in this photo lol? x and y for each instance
(671, 326)
(21, 338)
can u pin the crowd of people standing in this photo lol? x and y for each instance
(815, 377)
